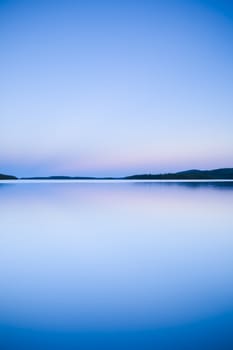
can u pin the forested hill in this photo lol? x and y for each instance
(7, 177)
(216, 174)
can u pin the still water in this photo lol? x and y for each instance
(116, 266)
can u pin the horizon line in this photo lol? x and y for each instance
(147, 174)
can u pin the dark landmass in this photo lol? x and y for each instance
(56, 178)
(216, 174)
(7, 177)
(68, 178)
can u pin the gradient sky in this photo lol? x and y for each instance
(94, 87)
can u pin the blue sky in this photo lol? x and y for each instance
(115, 87)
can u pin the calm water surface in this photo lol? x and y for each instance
(116, 266)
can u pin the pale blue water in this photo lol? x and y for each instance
(116, 266)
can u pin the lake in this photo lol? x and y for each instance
(124, 265)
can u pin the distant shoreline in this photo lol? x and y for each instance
(115, 181)
(222, 174)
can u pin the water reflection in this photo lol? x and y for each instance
(126, 265)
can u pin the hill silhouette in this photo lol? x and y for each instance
(7, 177)
(193, 174)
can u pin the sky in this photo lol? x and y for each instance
(113, 88)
